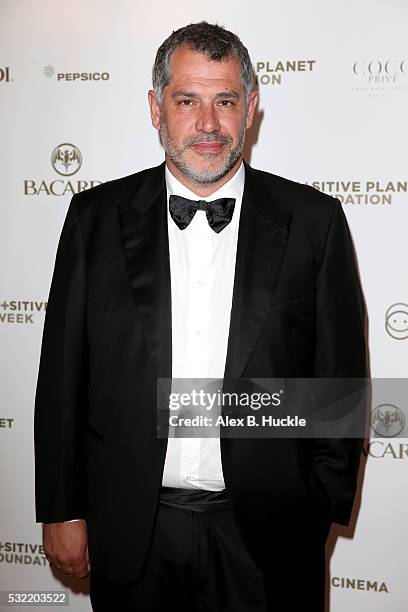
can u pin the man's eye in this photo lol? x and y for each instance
(226, 103)
(185, 102)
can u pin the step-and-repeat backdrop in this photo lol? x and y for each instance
(333, 80)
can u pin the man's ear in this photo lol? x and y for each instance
(154, 109)
(251, 106)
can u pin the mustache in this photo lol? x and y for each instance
(193, 140)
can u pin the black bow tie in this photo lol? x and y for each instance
(218, 212)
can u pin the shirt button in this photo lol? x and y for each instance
(189, 477)
(200, 283)
(198, 332)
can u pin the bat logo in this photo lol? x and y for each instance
(387, 420)
(66, 159)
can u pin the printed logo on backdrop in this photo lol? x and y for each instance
(380, 75)
(384, 449)
(50, 72)
(396, 321)
(5, 76)
(21, 311)
(363, 193)
(360, 584)
(6, 423)
(270, 72)
(22, 553)
(66, 160)
(387, 420)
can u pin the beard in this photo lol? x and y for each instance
(209, 175)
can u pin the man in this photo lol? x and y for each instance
(200, 267)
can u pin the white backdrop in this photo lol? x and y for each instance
(333, 106)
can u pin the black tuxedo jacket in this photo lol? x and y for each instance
(297, 311)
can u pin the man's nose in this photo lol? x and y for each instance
(207, 121)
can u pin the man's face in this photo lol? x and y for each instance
(203, 116)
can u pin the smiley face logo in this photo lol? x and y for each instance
(396, 321)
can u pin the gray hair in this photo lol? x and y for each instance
(213, 41)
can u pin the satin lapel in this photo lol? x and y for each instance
(143, 225)
(262, 239)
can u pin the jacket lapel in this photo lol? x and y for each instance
(143, 225)
(262, 239)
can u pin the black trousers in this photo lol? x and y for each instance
(197, 563)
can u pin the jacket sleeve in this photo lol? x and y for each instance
(341, 358)
(62, 392)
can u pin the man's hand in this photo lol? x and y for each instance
(66, 547)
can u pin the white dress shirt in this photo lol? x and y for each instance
(202, 269)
